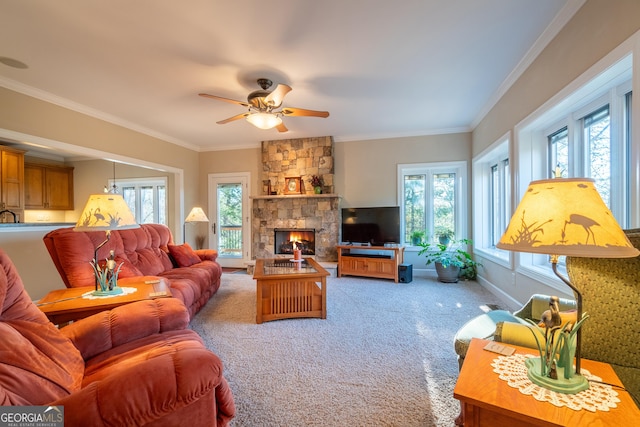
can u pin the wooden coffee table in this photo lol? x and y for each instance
(62, 306)
(287, 289)
(489, 401)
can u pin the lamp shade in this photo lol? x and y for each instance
(105, 212)
(565, 216)
(196, 215)
(264, 120)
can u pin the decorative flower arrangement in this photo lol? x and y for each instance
(316, 181)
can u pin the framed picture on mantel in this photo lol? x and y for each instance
(292, 185)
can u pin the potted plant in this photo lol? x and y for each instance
(316, 183)
(451, 261)
(444, 235)
(416, 237)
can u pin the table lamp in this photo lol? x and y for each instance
(196, 215)
(105, 212)
(565, 216)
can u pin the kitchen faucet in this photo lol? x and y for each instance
(15, 218)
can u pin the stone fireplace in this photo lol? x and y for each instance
(306, 210)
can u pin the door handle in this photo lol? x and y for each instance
(213, 228)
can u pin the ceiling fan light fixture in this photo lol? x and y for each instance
(264, 120)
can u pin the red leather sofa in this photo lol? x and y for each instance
(136, 365)
(193, 275)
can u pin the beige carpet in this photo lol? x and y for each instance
(383, 357)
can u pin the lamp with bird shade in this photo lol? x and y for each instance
(564, 216)
(105, 212)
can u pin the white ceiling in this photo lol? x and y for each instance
(381, 68)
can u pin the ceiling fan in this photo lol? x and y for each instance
(264, 107)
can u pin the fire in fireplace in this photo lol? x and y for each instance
(288, 239)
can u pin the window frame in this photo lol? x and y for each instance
(138, 183)
(461, 194)
(483, 199)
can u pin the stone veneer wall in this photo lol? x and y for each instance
(320, 212)
(302, 157)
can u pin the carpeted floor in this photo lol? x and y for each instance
(383, 357)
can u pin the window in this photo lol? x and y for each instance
(500, 197)
(492, 199)
(146, 197)
(432, 199)
(559, 153)
(582, 132)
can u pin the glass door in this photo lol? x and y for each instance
(230, 226)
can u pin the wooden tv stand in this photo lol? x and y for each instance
(361, 264)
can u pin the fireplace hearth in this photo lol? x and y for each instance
(288, 239)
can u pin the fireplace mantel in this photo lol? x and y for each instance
(297, 196)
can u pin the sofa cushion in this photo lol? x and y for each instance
(183, 255)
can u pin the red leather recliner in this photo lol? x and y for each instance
(136, 365)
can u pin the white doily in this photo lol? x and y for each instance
(598, 397)
(125, 291)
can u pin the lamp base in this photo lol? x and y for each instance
(115, 291)
(573, 385)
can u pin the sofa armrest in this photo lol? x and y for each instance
(207, 254)
(108, 329)
(148, 390)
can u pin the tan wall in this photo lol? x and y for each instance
(40, 119)
(49, 123)
(366, 171)
(595, 30)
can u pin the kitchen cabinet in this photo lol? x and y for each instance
(48, 187)
(12, 180)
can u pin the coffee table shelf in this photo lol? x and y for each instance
(286, 289)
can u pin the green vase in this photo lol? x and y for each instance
(317, 189)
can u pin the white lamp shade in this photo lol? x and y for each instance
(264, 120)
(565, 216)
(196, 215)
(106, 212)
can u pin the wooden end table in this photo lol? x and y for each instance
(286, 289)
(487, 400)
(62, 306)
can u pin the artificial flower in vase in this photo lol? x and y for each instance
(107, 277)
(316, 183)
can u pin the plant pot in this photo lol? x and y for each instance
(415, 241)
(317, 189)
(447, 274)
(444, 240)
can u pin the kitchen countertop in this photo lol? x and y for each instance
(4, 225)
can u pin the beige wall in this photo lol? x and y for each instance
(366, 171)
(32, 120)
(49, 124)
(595, 30)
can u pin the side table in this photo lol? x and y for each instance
(487, 400)
(62, 306)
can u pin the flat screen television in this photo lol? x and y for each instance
(375, 225)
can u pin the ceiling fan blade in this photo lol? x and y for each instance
(219, 98)
(234, 118)
(282, 128)
(276, 97)
(290, 111)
